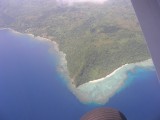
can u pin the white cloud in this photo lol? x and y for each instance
(94, 1)
(80, 1)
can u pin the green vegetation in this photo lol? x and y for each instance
(96, 38)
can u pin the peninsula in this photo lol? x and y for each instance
(96, 38)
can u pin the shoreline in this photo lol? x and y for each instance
(139, 64)
(97, 91)
(62, 64)
(101, 90)
(109, 75)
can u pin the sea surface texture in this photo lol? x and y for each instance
(32, 86)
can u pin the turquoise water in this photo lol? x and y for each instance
(31, 88)
(140, 97)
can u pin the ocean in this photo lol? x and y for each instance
(32, 88)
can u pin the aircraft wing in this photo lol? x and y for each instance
(148, 13)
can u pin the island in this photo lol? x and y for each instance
(96, 38)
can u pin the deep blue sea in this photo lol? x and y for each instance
(32, 89)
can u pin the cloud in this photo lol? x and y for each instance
(80, 1)
(93, 1)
